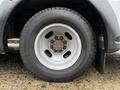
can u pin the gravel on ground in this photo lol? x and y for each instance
(14, 76)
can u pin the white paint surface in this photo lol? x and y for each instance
(1, 1)
(115, 4)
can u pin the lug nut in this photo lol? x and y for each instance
(56, 37)
(51, 46)
(64, 47)
(61, 38)
(52, 41)
(60, 51)
(55, 50)
(65, 42)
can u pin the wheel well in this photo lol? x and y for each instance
(23, 12)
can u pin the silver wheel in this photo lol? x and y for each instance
(57, 46)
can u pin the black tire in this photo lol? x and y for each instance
(57, 15)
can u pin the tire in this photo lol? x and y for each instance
(51, 65)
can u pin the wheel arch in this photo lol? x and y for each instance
(110, 21)
(110, 29)
(7, 9)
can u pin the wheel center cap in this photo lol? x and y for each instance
(58, 44)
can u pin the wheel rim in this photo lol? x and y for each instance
(57, 46)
